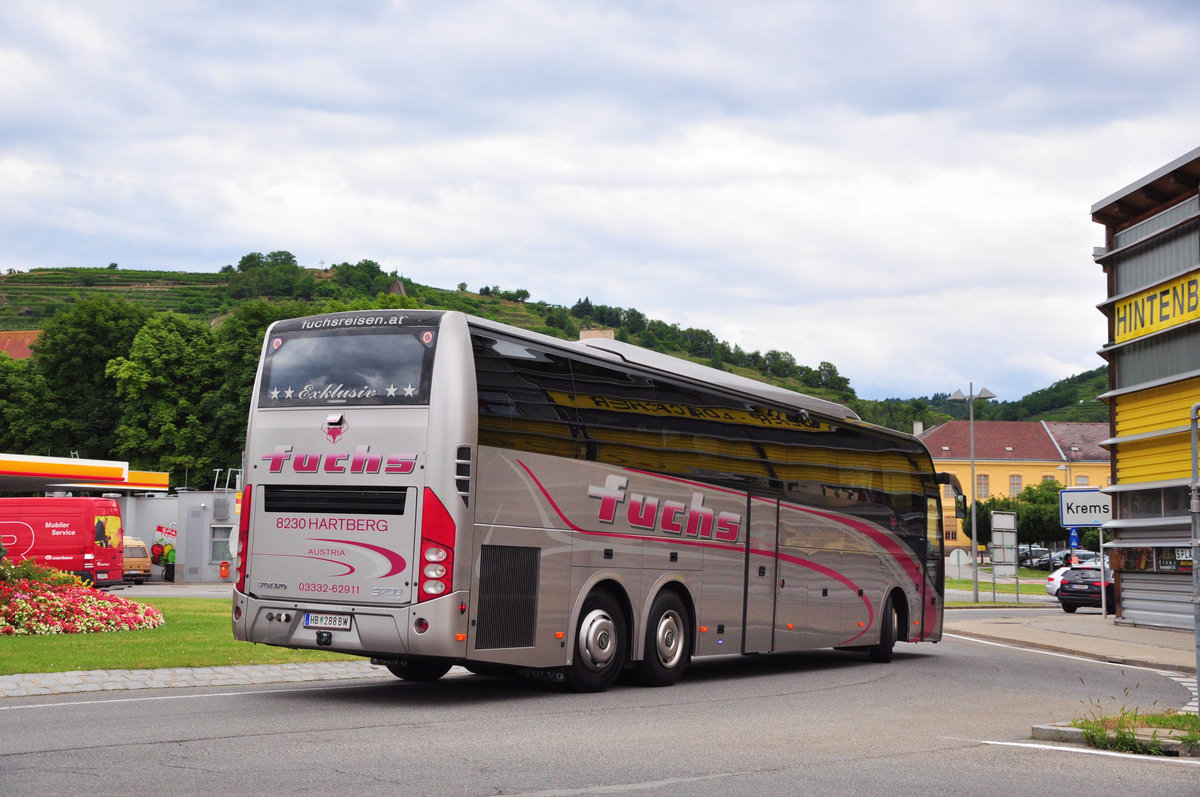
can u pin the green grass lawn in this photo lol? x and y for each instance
(197, 633)
(1038, 588)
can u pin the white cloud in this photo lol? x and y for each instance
(902, 189)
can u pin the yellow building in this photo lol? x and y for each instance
(1151, 237)
(1010, 456)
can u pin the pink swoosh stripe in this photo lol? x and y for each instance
(793, 559)
(394, 559)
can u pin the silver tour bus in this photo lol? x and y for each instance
(430, 489)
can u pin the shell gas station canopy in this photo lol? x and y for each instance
(20, 473)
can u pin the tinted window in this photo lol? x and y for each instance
(532, 399)
(524, 397)
(347, 367)
(619, 417)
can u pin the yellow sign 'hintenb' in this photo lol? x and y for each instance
(1159, 308)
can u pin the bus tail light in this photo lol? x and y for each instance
(437, 548)
(243, 539)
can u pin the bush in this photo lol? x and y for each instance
(32, 607)
(40, 600)
(30, 570)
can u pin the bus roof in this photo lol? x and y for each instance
(668, 365)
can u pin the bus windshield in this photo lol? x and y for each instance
(347, 368)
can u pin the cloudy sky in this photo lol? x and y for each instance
(900, 188)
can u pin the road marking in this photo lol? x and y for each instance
(1189, 683)
(1187, 762)
(621, 788)
(1062, 655)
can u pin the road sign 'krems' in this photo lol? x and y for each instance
(1083, 506)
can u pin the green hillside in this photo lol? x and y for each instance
(30, 299)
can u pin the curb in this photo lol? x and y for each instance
(57, 683)
(1064, 733)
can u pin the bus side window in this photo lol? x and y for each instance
(618, 417)
(524, 397)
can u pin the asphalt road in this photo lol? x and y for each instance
(953, 718)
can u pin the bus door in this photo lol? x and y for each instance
(934, 586)
(761, 542)
(798, 621)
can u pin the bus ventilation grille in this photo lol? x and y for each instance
(508, 585)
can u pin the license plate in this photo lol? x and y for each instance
(335, 622)
(1078, 586)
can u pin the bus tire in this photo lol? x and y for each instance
(600, 644)
(418, 669)
(889, 621)
(668, 642)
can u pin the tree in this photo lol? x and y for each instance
(698, 342)
(82, 409)
(519, 295)
(277, 274)
(162, 385)
(23, 396)
(1037, 514)
(557, 317)
(237, 343)
(779, 363)
(829, 378)
(635, 322)
(582, 308)
(364, 278)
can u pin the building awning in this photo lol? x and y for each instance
(1149, 542)
(20, 473)
(1145, 523)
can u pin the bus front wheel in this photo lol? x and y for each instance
(668, 642)
(599, 644)
(418, 669)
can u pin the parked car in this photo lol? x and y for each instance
(1080, 586)
(137, 560)
(1062, 558)
(1026, 554)
(1048, 561)
(1055, 579)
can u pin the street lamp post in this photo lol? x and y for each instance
(984, 393)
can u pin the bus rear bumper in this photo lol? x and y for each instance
(436, 628)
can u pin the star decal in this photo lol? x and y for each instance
(391, 391)
(409, 391)
(287, 393)
(275, 393)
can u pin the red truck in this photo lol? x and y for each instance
(79, 535)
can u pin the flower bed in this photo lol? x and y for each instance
(30, 607)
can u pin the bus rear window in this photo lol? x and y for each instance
(347, 368)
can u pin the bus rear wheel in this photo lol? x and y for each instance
(418, 669)
(599, 644)
(668, 642)
(889, 630)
